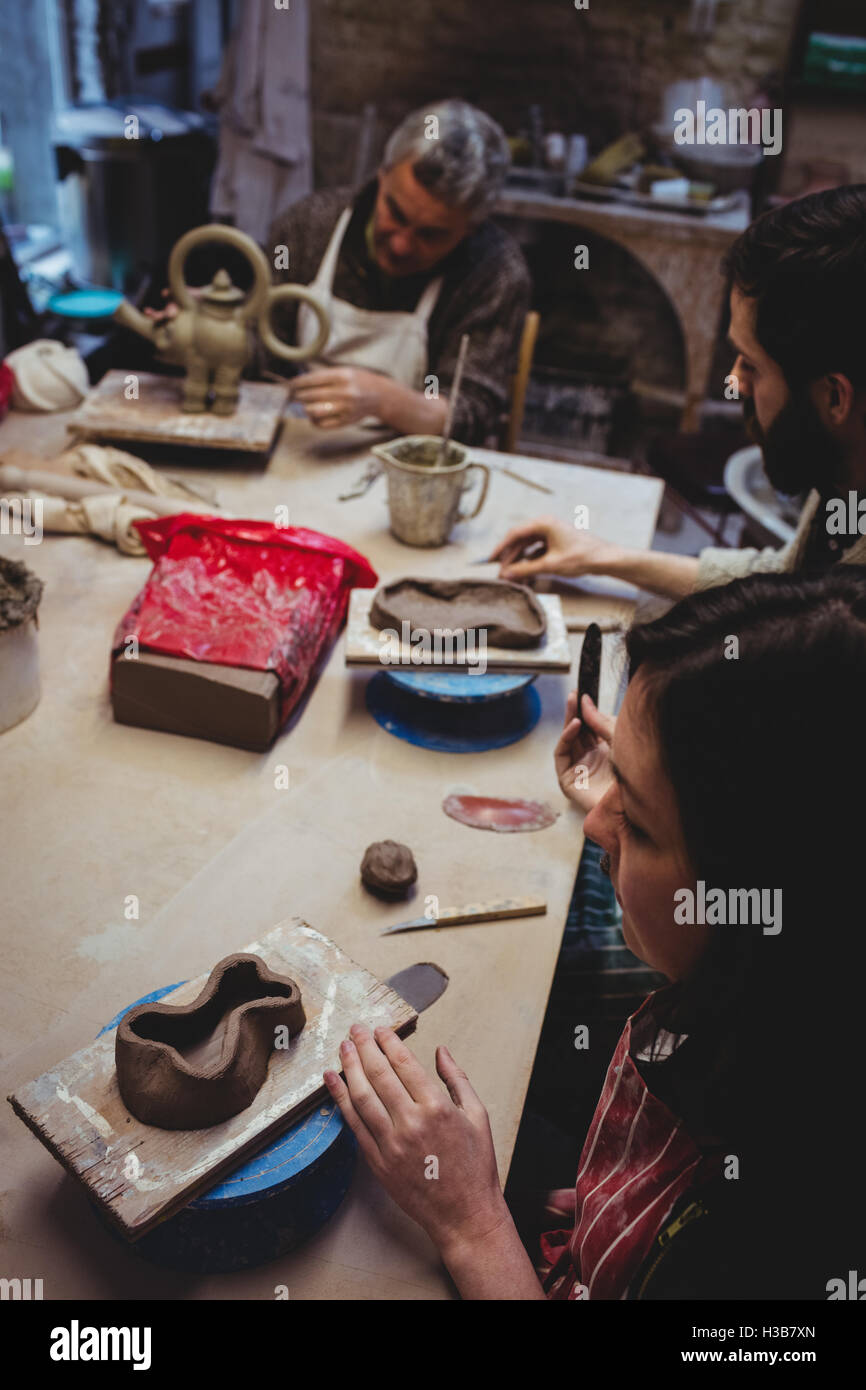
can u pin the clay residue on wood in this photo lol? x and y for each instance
(20, 592)
(510, 614)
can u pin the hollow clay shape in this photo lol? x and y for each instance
(189, 1066)
(509, 613)
(388, 869)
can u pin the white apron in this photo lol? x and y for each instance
(392, 343)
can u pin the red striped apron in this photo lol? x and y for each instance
(637, 1161)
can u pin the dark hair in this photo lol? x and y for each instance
(766, 754)
(805, 265)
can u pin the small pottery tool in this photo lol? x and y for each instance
(452, 400)
(519, 478)
(531, 550)
(363, 484)
(589, 670)
(472, 913)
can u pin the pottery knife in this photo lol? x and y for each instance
(472, 912)
(589, 670)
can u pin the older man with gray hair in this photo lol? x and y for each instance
(406, 265)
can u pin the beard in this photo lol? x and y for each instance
(798, 452)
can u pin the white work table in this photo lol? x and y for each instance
(215, 853)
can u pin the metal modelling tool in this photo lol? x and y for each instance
(532, 550)
(472, 912)
(363, 484)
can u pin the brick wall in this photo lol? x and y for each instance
(600, 71)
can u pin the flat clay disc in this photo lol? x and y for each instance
(510, 613)
(493, 813)
(388, 869)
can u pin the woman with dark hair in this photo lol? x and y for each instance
(723, 1157)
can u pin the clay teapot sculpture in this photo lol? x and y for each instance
(212, 334)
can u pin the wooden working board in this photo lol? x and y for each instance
(364, 644)
(140, 1175)
(156, 416)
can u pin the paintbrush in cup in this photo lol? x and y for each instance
(452, 401)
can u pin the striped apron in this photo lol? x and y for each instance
(637, 1161)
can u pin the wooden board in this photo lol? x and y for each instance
(140, 1175)
(364, 644)
(156, 417)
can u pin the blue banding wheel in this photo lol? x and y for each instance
(452, 726)
(85, 304)
(277, 1198)
(460, 686)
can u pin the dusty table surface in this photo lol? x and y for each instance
(209, 848)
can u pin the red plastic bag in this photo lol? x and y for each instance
(243, 593)
(7, 386)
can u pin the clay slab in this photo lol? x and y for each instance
(364, 643)
(509, 613)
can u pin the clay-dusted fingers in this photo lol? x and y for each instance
(419, 1084)
(367, 1104)
(382, 1076)
(339, 1091)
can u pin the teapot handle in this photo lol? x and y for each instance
(219, 233)
(275, 344)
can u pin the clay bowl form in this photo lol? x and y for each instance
(189, 1066)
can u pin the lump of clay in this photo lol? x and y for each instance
(509, 613)
(190, 1066)
(388, 869)
(20, 592)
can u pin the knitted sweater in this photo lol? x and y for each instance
(719, 566)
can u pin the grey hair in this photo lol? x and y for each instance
(464, 164)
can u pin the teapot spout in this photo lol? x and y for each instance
(130, 317)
